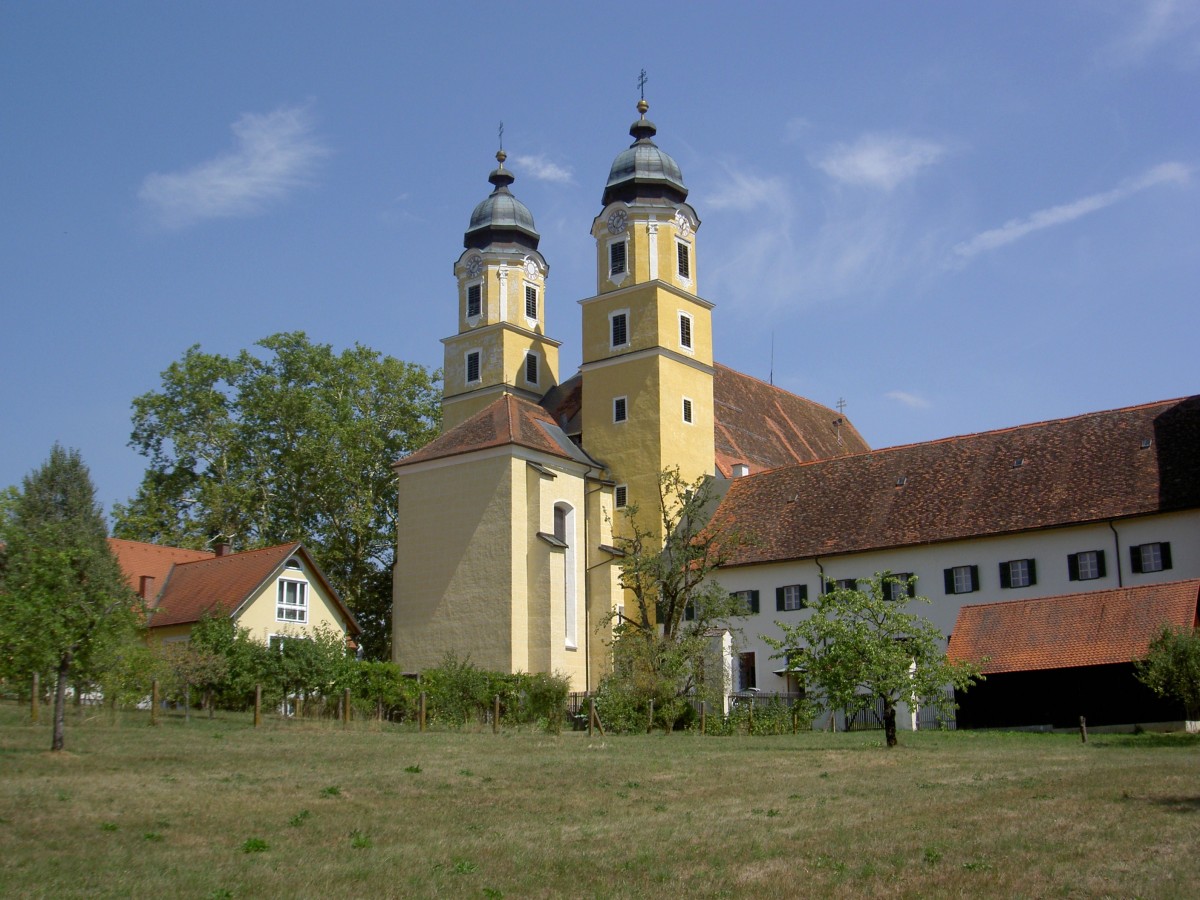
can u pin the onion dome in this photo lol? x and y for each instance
(501, 218)
(644, 172)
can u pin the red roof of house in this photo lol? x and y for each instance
(138, 560)
(1105, 465)
(1091, 629)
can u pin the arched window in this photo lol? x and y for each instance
(564, 530)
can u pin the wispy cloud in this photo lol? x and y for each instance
(879, 161)
(274, 154)
(744, 192)
(912, 401)
(541, 169)
(1015, 229)
(1157, 24)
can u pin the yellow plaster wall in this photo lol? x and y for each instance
(259, 615)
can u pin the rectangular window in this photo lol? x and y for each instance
(687, 410)
(619, 409)
(472, 366)
(530, 302)
(474, 300)
(1086, 566)
(619, 330)
(898, 586)
(748, 599)
(531, 368)
(747, 680)
(685, 331)
(621, 495)
(1018, 573)
(841, 584)
(791, 596)
(616, 258)
(292, 604)
(1150, 557)
(962, 579)
(683, 257)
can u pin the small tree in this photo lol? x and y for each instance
(664, 654)
(1172, 668)
(189, 666)
(860, 646)
(62, 594)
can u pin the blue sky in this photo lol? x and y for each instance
(955, 216)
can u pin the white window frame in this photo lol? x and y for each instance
(618, 277)
(686, 248)
(687, 346)
(467, 304)
(620, 496)
(299, 605)
(689, 411)
(964, 579)
(570, 601)
(532, 289)
(537, 368)
(478, 354)
(793, 598)
(1018, 573)
(1092, 559)
(612, 316)
(623, 404)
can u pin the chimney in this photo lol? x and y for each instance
(221, 549)
(740, 470)
(146, 587)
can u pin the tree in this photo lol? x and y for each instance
(664, 654)
(188, 666)
(1172, 668)
(861, 646)
(62, 595)
(292, 442)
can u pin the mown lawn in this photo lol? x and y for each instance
(219, 809)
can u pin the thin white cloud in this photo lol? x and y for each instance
(879, 161)
(541, 169)
(1158, 23)
(912, 401)
(274, 154)
(744, 192)
(1015, 229)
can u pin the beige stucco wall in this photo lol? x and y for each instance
(259, 615)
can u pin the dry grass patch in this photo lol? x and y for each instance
(311, 810)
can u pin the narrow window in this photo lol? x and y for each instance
(684, 259)
(1150, 557)
(564, 527)
(474, 300)
(790, 597)
(1086, 566)
(1018, 573)
(472, 366)
(687, 410)
(619, 410)
(531, 368)
(616, 258)
(620, 329)
(685, 331)
(746, 672)
(621, 495)
(962, 579)
(530, 302)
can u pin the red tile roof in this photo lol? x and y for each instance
(1091, 629)
(216, 586)
(138, 559)
(765, 426)
(1106, 465)
(507, 420)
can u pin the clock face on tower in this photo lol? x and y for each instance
(616, 221)
(683, 224)
(474, 266)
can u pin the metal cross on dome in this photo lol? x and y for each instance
(642, 79)
(501, 135)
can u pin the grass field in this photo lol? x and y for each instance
(219, 809)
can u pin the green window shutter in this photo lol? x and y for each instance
(1165, 549)
(1100, 563)
(1073, 567)
(1032, 572)
(1135, 558)
(1005, 575)
(754, 601)
(949, 578)
(974, 578)
(779, 599)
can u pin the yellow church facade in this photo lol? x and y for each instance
(505, 544)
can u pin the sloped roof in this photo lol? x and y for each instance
(507, 420)
(1090, 629)
(138, 559)
(766, 427)
(1105, 465)
(217, 586)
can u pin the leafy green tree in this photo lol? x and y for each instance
(664, 655)
(187, 666)
(247, 662)
(62, 595)
(288, 442)
(860, 646)
(1172, 668)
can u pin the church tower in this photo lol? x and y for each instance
(647, 334)
(501, 346)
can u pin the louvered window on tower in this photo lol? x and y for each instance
(685, 261)
(620, 330)
(474, 300)
(472, 366)
(530, 302)
(619, 409)
(687, 410)
(531, 368)
(685, 331)
(616, 258)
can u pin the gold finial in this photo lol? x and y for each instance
(501, 156)
(642, 104)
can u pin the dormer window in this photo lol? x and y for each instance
(474, 300)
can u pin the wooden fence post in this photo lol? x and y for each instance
(703, 716)
(650, 724)
(257, 705)
(346, 706)
(35, 699)
(496, 715)
(750, 720)
(591, 715)
(421, 712)
(1083, 728)
(154, 698)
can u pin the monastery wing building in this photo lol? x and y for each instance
(505, 551)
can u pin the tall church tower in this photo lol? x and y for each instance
(647, 334)
(501, 346)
